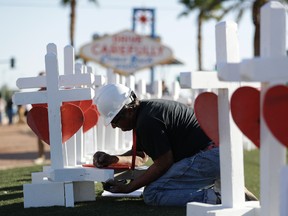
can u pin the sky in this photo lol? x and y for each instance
(27, 26)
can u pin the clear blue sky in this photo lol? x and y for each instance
(27, 26)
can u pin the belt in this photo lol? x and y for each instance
(210, 146)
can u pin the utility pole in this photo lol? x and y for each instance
(10, 61)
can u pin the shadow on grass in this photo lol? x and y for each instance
(103, 206)
(12, 188)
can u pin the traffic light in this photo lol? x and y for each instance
(12, 62)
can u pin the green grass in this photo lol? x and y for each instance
(252, 171)
(11, 196)
(11, 201)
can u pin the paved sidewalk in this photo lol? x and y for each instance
(18, 146)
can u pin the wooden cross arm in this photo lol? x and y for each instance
(40, 97)
(77, 94)
(70, 80)
(255, 70)
(201, 80)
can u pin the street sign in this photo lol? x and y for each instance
(126, 52)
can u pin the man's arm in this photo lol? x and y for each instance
(102, 159)
(156, 170)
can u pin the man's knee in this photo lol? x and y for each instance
(149, 196)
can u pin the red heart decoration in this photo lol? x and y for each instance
(37, 119)
(85, 105)
(91, 118)
(206, 111)
(77, 103)
(275, 111)
(40, 105)
(72, 119)
(245, 109)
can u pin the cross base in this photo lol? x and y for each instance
(251, 208)
(68, 186)
(58, 193)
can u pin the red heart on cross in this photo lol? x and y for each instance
(90, 113)
(72, 119)
(91, 118)
(245, 109)
(85, 105)
(206, 111)
(77, 103)
(40, 105)
(275, 111)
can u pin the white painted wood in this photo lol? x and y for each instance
(201, 80)
(284, 191)
(231, 146)
(272, 154)
(266, 68)
(202, 209)
(69, 148)
(131, 82)
(20, 98)
(70, 80)
(84, 191)
(175, 90)
(141, 89)
(99, 80)
(80, 174)
(231, 154)
(157, 88)
(39, 177)
(41, 195)
(60, 88)
(79, 147)
(31, 82)
(69, 194)
(260, 69)
(227, 49)
(54, 103)
(69, 60)
(112, 77)
(52, 48)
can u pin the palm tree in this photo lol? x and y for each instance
(208, 9)
(224, 7)
(72, 4)
(255, 8)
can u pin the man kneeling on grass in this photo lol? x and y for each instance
(185, 160)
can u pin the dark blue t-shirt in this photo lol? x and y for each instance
(164, 125)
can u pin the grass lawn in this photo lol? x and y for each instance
(11, 196)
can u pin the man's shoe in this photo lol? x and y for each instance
(249, 196)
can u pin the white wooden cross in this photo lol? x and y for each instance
(269, 68)
(73, 81)
(53, 96)
(231, 147)
(67, 185)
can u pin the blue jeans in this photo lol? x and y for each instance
(188, 180)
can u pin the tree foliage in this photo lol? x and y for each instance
(217, 9)
(72, 4)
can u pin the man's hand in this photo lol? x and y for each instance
(117, 186)
(102, 159)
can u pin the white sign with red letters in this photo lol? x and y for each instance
(126, 52)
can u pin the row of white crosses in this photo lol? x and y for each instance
(65, 185)
(269, 69)
(231, 150)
